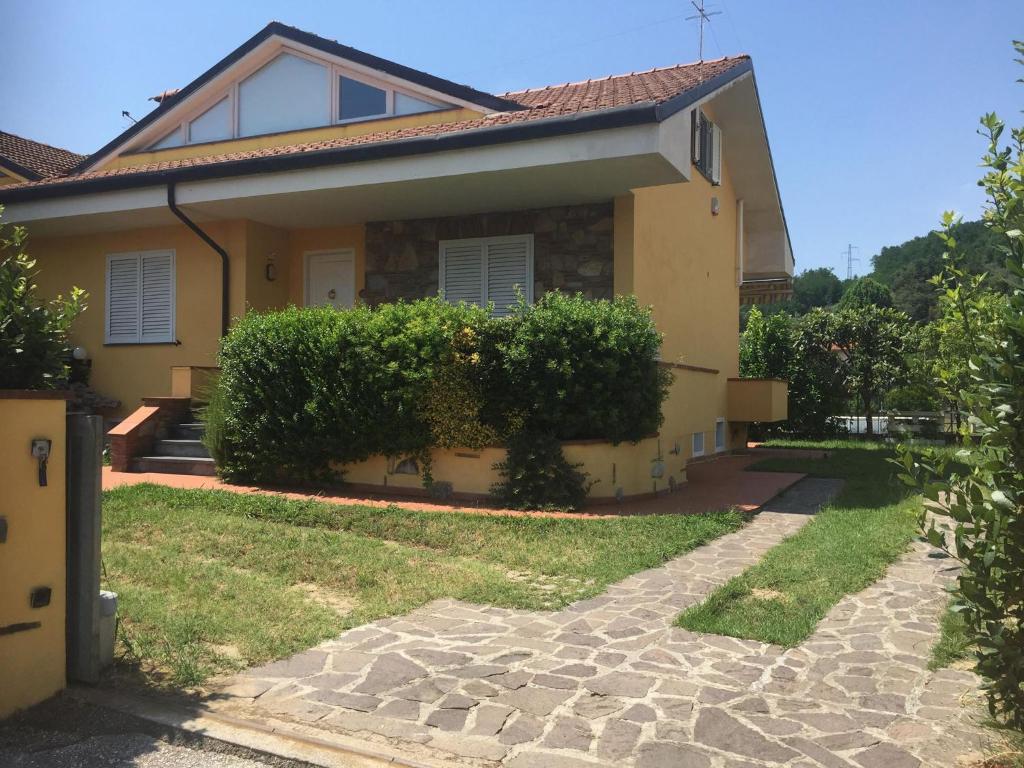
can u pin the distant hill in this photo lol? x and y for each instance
(906, 268)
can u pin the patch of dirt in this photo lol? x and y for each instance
(760, 593)
(338, 602)
(230, 651)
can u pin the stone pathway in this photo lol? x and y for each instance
(609, 681)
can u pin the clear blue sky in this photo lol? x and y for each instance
(871, 106)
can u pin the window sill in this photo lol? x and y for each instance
(176, 343)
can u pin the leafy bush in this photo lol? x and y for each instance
(984, 504)
(536, 475)
(34, 349)
(303, 389)
(867, 292)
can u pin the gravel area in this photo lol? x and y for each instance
(62, 733)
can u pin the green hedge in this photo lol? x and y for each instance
(302, 389)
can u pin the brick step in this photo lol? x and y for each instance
(188, 430)
(180, 447)
(175, 465)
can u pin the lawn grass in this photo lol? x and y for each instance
(954, 644)
(844, 549)
(212, 581)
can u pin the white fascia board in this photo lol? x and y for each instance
(87, 205)
(633, 141)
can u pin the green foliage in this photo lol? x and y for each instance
(984, 503)
(34, 348)
(866, 292)
(872, 343)
(816, 288)
(536, 475)
(800, 351)
(303, 390)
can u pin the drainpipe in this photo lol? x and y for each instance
(225, 269)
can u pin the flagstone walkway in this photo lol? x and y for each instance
(609, 681)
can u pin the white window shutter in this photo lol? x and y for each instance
(696, 142)
(508, 269)
(716, 154)
(123, 299)
(462, 272)
(157, 303)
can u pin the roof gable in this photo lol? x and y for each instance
(276, 39)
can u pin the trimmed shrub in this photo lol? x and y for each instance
(302, 390)
(536, 475)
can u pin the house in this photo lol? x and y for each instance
(299, 170)
(26, 160)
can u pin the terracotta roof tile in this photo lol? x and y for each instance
(654, 86)
(41, 159)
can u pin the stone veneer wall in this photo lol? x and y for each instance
(572, 250)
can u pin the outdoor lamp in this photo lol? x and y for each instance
(80, 353)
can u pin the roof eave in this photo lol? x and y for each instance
(579, 122)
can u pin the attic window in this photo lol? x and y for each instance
(706, 147)
(290, 92)
(358, 100)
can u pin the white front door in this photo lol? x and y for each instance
(331, 279)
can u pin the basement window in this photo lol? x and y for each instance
(698, 444)
(719, 434)
(706, 147)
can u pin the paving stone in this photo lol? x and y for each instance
(717, 729)
(390, 671)
(594, 705)
(555, 681)
(400, 708)
(457, 701)
(247, 689)
(886, 756)
(663, 754)
(447, 719)
(511, 680)
(536, 701)
(817, 753)
(328, 681)
(489, 719)
(618, 739)
(621, 684)
(640, 713)
(434, 658)
(427, 691)
(480, 689)
(575, 670)
(356, 701)
(522, 729)
(826, 722)
(570, 733)
(479, 670)
(300, 665)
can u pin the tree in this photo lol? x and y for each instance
(983, 502)
(866, 292)
(34, 349)
(816, 288)
(872, 343)
(779, 346)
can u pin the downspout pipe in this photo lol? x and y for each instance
(225, 264)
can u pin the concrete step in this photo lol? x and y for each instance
(178, 447)
(175, 465)
(189, 430)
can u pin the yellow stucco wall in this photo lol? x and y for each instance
(288, 138)
(32, 662)
(130, 372)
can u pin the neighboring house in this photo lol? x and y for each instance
(26, 160)
(298, 170)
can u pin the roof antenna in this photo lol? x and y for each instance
(704, 17)
(125, 113)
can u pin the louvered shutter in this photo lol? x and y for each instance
(462, 272)
(123, 299)
(716, 154)
(157, 303)
(140, 298)
(507, 271)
